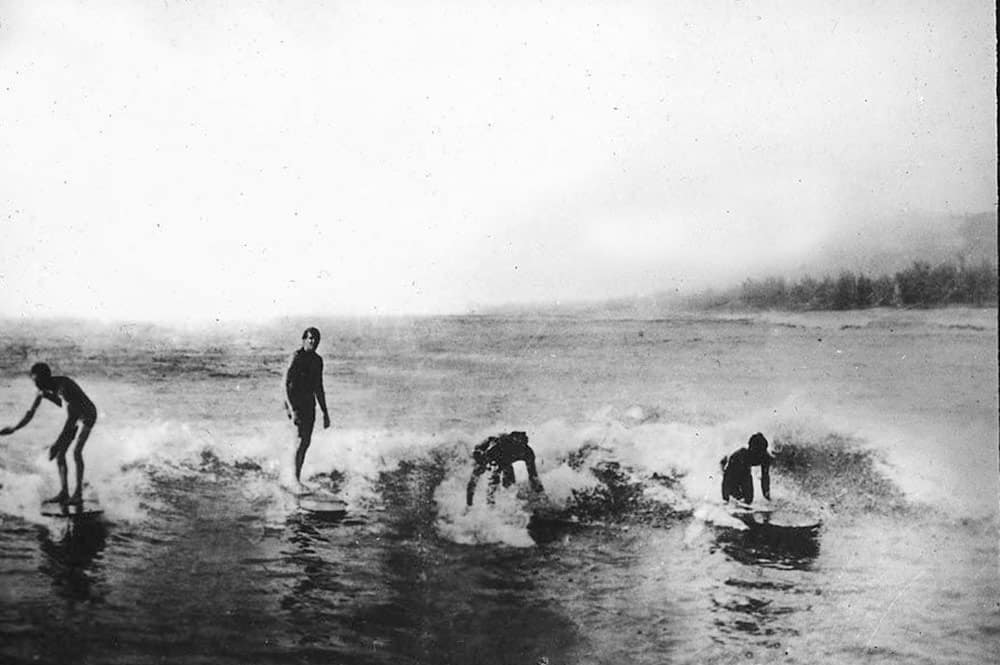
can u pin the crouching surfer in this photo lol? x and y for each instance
(81, 415)
(737, 481)
(498, 454)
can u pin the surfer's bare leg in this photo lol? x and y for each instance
(58, 452)
(78, 459)
(494, 482)
(64, 492)
(507, 475)
(747, 489)
(304, 438)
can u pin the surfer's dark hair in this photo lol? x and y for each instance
(42, 370)
(314, 331)
(757, 442)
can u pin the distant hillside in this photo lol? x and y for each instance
(886, 246)
(903, 245)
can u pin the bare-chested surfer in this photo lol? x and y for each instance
(498, 454)
(303, 388)
(81, 414)
(737, 481)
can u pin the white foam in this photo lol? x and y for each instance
(946, 465)
(123, 458)
(503, 522)
(561, 482)
(935, 465)
(21, 494)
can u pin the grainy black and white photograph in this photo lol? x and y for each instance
(539, 332)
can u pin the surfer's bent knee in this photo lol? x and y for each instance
(61, 446)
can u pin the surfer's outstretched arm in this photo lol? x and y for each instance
(496, 473)
(529, 462)
(470, 489)
(725, 481)
(27, 417)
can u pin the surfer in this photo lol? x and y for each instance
(498, 454)
(737, 482)
(303, 388)
(81, 414)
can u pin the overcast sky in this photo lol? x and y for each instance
(176, 160)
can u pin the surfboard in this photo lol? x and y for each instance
(778, 519)
(85, 509)
(545, 518)
(322, 505)
(550, 517)
(546, 526)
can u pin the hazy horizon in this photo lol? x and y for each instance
(179, 162)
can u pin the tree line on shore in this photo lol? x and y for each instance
(920, 285)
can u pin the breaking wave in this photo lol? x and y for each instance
(617, 466)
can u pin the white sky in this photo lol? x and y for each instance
(177, 160)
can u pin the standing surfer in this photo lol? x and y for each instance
(81, 415)
(303, 389)
(737, 481)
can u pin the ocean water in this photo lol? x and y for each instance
(884, 425)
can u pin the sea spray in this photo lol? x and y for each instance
(502, 522)
(630, 465)
(624, 467)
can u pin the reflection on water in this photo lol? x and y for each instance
(69, 558)
(312, 601)
(462, 605)
(759, 605)
(394, 591)
(57, 600)
(214, 580)
(777, 547)
(745, 610)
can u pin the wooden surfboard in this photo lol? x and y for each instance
(85, 509)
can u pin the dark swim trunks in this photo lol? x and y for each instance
(88, 418)
(307, 419)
